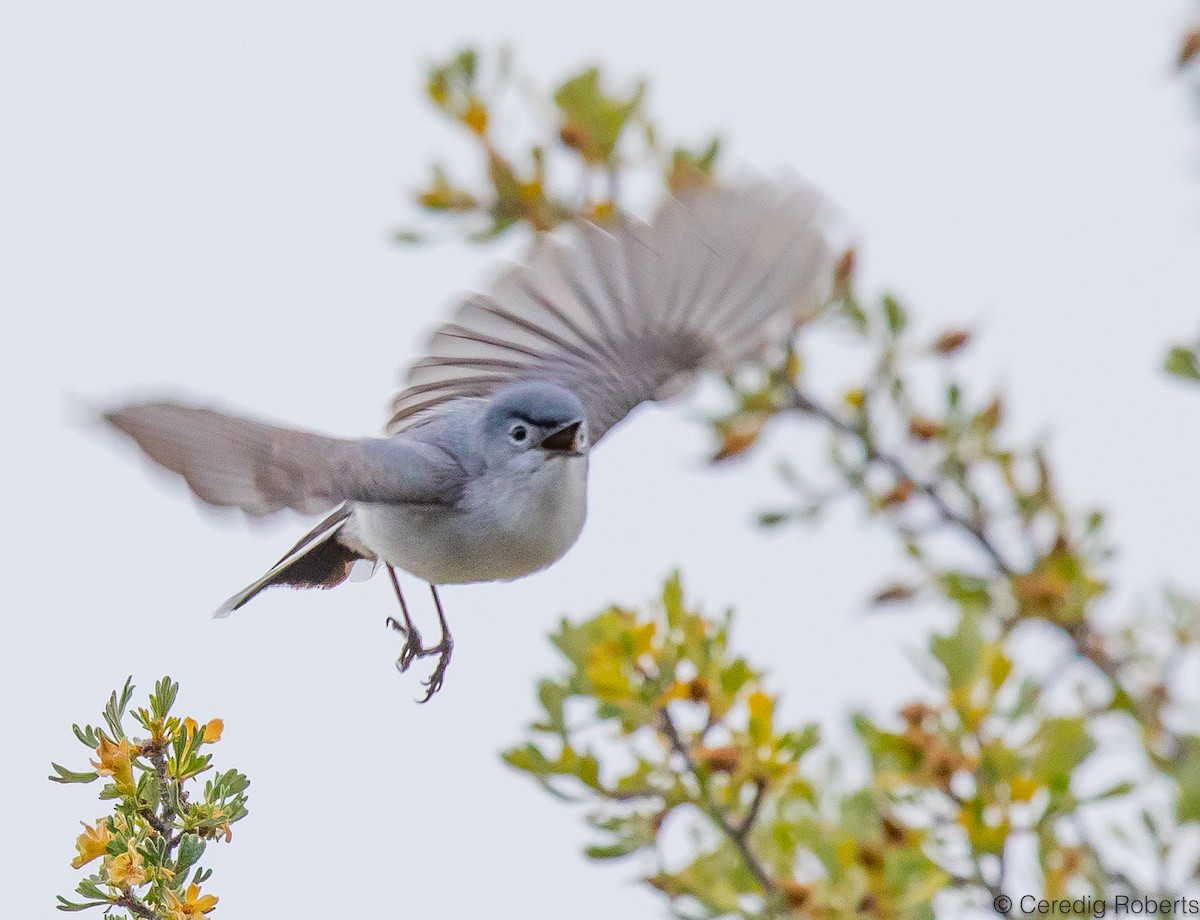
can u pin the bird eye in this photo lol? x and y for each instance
(518, 433)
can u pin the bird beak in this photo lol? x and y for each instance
(564, 440)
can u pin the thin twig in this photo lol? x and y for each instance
(136, 907)
(801, 402)
(161, 828)
(737, 834)
(743, 827)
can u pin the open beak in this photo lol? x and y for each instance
(564, 440)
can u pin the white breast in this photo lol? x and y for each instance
(504, 527)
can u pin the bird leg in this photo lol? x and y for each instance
(445, 648)
(413, 649)
(412, 638)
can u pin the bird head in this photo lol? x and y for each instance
(538, 420)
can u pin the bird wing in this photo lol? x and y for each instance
(630, 314)
(259, 468)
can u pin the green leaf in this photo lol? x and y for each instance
(87, 736)
(965, 590)
(115, 710)
(961, 652)
(735, 675)
(613, 850)
(1114, 792)
(528, 759)
(163, 698)
(894, 315)
(89, 889)
(1064, 745)
(68, 776)
(553, 696)
(672, 600)
(689, 168)
(595, 119)
(1183, 363)
(852, 310)
(1185, 770)
(466, 62)
(148, 788)
(773, 518)
(191, 848)
(797, 744)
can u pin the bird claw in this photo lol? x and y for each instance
(434, 684)
(412, 649)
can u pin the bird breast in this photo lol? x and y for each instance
(504, 526)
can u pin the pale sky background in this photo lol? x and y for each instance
(197, 199)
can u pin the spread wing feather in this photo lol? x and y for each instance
(632, 314)
(259, 468)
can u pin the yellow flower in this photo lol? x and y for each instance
(115, 761)
(91, 843)
(126, 869)
(210, 731)
(194, 904)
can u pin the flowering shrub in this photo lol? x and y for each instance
(143, 857)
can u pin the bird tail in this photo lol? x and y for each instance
(322, 559)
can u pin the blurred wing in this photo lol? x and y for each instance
(261, 469)
(632, 314)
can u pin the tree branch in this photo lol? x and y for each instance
(802, 402)
(136, 907)
(738, 833)
(747, 822)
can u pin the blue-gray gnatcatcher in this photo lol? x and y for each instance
(482, 473)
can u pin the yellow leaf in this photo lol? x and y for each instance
(761, 709)
(1023, 788)
(605, 673)
(601, 212)
(475, 117)
(643, 639)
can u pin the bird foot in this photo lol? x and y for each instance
(444, 649)
(413, 650)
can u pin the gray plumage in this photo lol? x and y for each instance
(621, 317)
(482, 473)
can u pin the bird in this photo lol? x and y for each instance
(481, 471)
